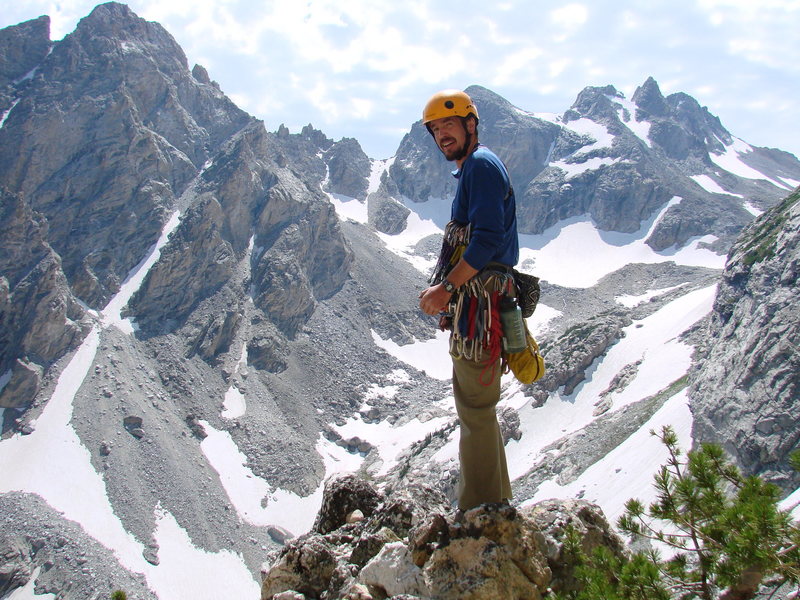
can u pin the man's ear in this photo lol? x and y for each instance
(471, 125)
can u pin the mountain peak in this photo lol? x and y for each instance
(593, 102)
(649, 99)
(110, 14)
(118, 22)
(484, 98)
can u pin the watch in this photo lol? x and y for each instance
(448, 285)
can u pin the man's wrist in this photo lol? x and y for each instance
(448, 285)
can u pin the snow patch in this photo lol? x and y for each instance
(641, 129)
(377, 169)
(591, 164)
(28, 591)
(404, 243)
(753, 210)
(429, 356)
(792, 183)
(792, 504)
(709, 185)
(235, 404)
(8, 112)
(549, 117)
(630, 300)
(540, 320)
(389, 440)
(349, 208)
(111, 313)
(129, 47)
(583, 126)
(186, 572)
(255, 500)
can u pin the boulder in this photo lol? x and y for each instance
(493, 552)
(386, 214)
(22, 386)
(342, 496)
(554, 518)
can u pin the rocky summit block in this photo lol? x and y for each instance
(373, 545)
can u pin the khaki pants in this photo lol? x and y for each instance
(484, 474)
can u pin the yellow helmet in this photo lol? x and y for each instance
(448, 103)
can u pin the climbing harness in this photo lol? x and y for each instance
(473, 314)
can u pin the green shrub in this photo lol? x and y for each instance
(726, 536)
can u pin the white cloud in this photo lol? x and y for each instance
(763, 32)
(569, 19)
(340, 65)
(513, 65)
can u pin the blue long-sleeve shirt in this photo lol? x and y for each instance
(485, 199)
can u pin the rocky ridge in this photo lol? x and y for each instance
(366, 545)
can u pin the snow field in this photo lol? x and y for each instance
(576, 254)
(627, 471)
(652, 340)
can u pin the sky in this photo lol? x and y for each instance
(364, 68)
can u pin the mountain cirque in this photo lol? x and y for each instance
(110, 142)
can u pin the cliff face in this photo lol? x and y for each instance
(107, 133)
(745, 391)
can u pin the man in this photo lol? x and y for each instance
(484, 217)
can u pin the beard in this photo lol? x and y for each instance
(456, 153)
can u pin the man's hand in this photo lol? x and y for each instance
(434, 299)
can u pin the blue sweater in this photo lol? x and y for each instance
(485, 199)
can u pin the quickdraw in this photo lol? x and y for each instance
(474, 311)
(477, 333)
(454, 243)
